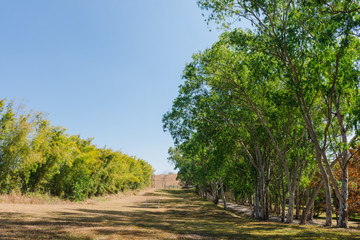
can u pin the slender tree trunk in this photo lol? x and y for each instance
(312, 212)
(310, 204)
(297, 214)
(250, 197)
(262, 195)
(267, 190)
(276, 203)
(223, 194)
(290, 215)
(326, 187)
(319, 153)
(215, 193)
(307, 198)
(279, 198)
(256, 202)
(344, 211)
(203, 192)
(328, 202)
(283, 202)
(268, 204)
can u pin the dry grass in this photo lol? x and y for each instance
(36, 198)
(182, 215)
(18, 198)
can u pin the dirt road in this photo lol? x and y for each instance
(96, 219)
(161, 214)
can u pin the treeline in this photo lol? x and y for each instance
(38, 157)
(271, 114)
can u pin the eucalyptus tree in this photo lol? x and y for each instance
(250, 98)
(199, 135)
(192, 159)
(200, 104)
(186, 173)
(316, 45)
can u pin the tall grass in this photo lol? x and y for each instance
(30, 198)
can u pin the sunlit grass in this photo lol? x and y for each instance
(181, 215)
(30, 198)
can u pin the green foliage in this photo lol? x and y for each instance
(38, 157)
(283, 98)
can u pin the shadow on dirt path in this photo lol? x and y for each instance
(181, 215)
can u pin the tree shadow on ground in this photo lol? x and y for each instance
(181, 214)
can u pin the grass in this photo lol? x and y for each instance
(182, 215)
(16, 197)
(30, 198)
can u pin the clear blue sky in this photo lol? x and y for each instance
(107, 69)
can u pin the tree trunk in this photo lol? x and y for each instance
(262, 195)
(311, 215)
(290, 215)
(297, 214)
(310, 204)
(250, 198)
(279, 198)
(215, 193)
(344, 212)
(328, 202)
(283, 202)
(319, 153)
(256, 202)
(223, 194)
(326, 187)
(267, 205)
(276, 203)
(307, 198)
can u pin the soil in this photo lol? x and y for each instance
(87, 220)
(148, 214)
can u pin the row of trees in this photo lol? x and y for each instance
(263, 111)
(38, 157)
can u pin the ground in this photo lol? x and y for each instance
(151, 214)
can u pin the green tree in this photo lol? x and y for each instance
(313, 42)
(14, 146)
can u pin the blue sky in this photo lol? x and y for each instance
(107, 69)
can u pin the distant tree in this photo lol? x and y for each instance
(38, 157)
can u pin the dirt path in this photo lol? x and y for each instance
(180, 215)
(100, 219)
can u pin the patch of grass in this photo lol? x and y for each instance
(30, 198)
(16, 197)
(182, 215)
(355, 217)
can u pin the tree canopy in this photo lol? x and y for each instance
(279, 103)
(36, 156)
